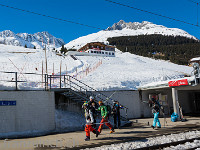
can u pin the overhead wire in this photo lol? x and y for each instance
(94, 27)
(124, 5)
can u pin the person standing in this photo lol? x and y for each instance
(104, 115)
(116, 114)
(156, 110)
(89, 122)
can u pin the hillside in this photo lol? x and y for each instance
(177, 49)
(120, 72)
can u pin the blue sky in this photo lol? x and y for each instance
(97, 13)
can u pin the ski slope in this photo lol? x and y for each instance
(124, 72)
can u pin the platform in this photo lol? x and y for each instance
(140, 129)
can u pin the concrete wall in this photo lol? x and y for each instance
(34, 110)
(129, 99)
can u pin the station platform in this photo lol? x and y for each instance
(138, 129)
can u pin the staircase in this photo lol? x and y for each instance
(77, 91)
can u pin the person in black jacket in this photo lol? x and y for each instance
(93, 107)
(116, 114)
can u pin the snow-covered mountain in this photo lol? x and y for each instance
(38, 40)
(127, 29)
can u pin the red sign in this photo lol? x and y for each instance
(178, 82)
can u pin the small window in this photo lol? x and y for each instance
(109, 53)
(106, 53)
(95, 52)
(102, 52)
(112, 53)
(91, 51)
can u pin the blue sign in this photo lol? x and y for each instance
(8, 103)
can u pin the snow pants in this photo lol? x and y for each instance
(117, 122)
(104, 120)
(89, 128)
(156, 120)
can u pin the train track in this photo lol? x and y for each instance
(166, 145)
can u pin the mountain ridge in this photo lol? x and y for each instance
(38, 40)
(127, 29)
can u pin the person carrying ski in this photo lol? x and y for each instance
(89, 121)
(116, 114)
(104, 115)
(156, 110)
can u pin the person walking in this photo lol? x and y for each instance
(93, 107)
(156, 110)
(104, 115)
(116, 114)
(89, 122)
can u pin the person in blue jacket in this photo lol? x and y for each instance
(156, 110)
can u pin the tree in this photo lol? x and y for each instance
(25, 46)
(63, 49)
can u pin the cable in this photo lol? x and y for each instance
(193, 1)
(151, 13)
(50, 16)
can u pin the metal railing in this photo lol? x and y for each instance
(67, 81)
(21, 81)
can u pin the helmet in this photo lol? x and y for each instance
(91, 97)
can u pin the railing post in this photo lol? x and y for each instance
(46, 81)
(70, 82)
(50, 82)
(64, 82)
(16, 81)
(60, 82)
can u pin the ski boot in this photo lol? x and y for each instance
(112, 131)
(152, 126)
(87, 138)
(97, 133)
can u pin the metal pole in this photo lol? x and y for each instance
(16, 81)
(50, 82)
(45, 80)
(64, 81)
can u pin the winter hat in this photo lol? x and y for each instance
(91, 97)
(100, 102)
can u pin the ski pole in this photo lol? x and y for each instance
(95, 123)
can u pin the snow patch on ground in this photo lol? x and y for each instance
(150, 141)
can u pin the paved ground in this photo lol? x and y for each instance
(75, 140)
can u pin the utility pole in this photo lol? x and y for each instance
(46, 59)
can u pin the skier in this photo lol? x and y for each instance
(116, 114)
(93, 107)
(89, 121)
(104, 115)
(156, 110)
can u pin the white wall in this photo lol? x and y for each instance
(129, 99)
(34, 110)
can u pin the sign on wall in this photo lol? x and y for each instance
(8, 103)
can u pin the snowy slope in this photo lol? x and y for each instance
(125, 71)
(39, 40)
(126, 29)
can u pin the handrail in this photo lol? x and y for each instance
(89, 88)
(77, 87)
